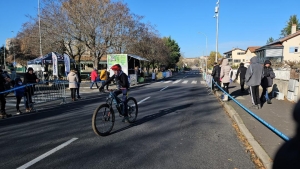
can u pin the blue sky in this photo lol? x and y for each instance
(242, 23)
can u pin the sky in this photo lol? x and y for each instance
(242, 23)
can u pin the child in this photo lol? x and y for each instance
(19, 93)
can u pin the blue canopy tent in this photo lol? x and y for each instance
(47, 59)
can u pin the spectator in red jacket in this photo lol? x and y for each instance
(94, 76)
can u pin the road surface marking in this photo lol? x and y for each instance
(186, 81)
(30, 163)
(194, 82)
(143, 100)
(177, 81)
(164, 88)
(167, 81)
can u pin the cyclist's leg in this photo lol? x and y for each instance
(124, 99)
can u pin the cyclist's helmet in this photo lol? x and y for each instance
(116, 67)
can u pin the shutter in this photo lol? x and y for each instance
(274, 53)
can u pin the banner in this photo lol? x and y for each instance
(121, 59)
(67, 63)
(54, 61)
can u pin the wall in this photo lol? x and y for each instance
(236, 56)
(293, 42)
(248, 56)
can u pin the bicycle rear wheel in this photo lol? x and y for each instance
(103, 120)
(132, 107)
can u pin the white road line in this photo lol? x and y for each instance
(177, 81)
(186, 81)
(30, 163)
(164, 88)
(143, 100)
(194, 82)
(167, 81)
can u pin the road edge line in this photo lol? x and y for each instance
(257, 148)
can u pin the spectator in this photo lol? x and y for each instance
(3, 80)
(267, 81)
(73, 82)
(288, 155)
(104, 77)
(77, 71)
(225, 71)
(94, 76)
(29, 79)
(216, 75)
(241, 72)
(19, 93)
(253, 79)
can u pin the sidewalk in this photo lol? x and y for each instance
(278, 114)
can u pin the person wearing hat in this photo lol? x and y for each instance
(242, 72)
(267, 81)
(123, 84)
(29, 79)
(94, 76)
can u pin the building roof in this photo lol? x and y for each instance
(252, 48)
(233, 50)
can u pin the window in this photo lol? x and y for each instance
(241, 53)
(293, 49)
(243, 60)
(237, 60)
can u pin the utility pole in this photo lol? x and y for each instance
(217, 31)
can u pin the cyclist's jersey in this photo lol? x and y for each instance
(121, 80)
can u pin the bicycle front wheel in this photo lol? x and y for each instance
(103, 120)
(132, 107)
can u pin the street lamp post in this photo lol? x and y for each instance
(217, 31)
(14, 64)
(206, 48)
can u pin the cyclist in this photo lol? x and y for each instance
(122, 87)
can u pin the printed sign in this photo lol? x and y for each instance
(54, 61)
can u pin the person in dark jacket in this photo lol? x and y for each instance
(123, 85)
(288, 155)
(19, 93)
(78, 84)
(242, 72)
(267, 81)
(3, 80)
(29, 79)
(253, 77)
(216, 75)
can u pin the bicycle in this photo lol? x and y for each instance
(107, 115)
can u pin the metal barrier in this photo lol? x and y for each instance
(210, 82)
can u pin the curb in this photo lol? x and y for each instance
(259, 151)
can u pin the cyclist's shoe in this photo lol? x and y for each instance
(125, 119)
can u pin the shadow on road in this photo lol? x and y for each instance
(153, 117)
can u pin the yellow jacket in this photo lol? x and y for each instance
(103, 75)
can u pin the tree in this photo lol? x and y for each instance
(212, 57)
(287, 29)
(174, 51)
(2, 54)
(270, 40)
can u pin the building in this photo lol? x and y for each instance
(283, 49)
(250, 52)
(235, 56)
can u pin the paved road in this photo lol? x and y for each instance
(179, 126)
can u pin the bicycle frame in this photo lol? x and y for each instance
(110, 99)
